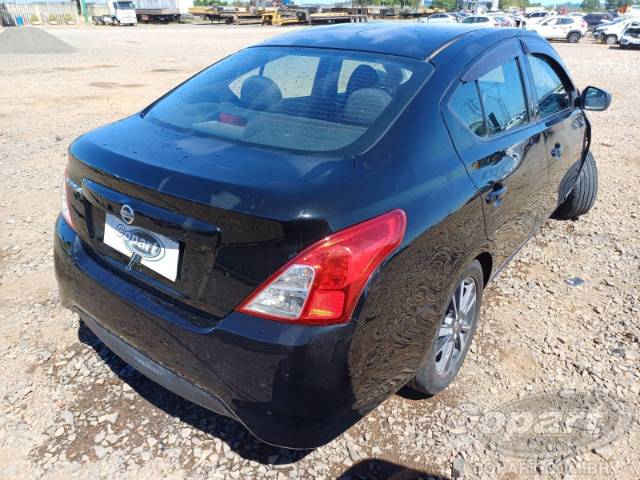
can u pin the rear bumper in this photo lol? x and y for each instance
(154, 370)
(287, 384)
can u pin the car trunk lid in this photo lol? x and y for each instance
(237, 213)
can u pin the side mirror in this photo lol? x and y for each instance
(594, 98)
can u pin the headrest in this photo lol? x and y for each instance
(364, 76)
(364, 106)
(259, 93)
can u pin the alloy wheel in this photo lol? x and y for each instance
(456, 327)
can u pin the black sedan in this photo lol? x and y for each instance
(303, 228)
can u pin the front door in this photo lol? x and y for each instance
(563, 124)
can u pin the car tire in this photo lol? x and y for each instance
(573, 37)
(583, 194)
(611, 40)
(434, 375)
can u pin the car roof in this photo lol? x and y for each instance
(415, 40)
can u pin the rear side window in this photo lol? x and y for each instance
(551, 92)
(301, 99)
(465, 103)
(493, 103)
(503, 97)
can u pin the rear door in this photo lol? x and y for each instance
(562, 123)
(488, 115)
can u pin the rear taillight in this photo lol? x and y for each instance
(321, 285)
(66, 214)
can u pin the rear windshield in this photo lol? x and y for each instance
(310, 100)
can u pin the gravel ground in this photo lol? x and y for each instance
(31, 40)
(564, 316)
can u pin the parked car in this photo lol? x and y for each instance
(611, 32)
(484, 21)
(441, 18)
(567, 28)
(631, 35)
(505, 20)
(535, 18)
(596, 18)
(301, 229)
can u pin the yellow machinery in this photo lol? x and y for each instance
(280, 18)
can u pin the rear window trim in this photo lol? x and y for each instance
(334, 49)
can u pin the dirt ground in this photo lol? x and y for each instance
(70, 409)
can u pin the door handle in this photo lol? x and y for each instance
(557, 151)
(495, 196)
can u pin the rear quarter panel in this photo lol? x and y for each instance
(414, 167)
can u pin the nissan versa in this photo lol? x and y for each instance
(306, 226)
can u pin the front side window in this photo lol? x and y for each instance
(551, 92)
(503, 97)
(302, 99)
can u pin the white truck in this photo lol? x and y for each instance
(114, 13)
(162, 11)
